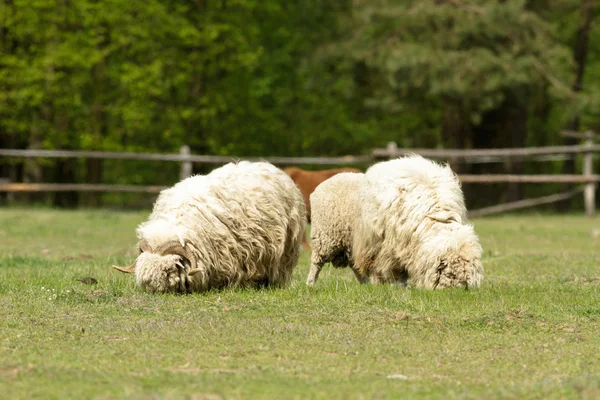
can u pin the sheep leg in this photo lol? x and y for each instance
(361, 278)
(401, 278)
(317, 260)
(313, 275)
(316, 264)
(376, 278)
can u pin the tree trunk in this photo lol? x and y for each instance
(504, 126)
(94, 175)
(455, 133)
(580, 50)
(8, 169)
(515, 130)
(485, 135)
(32, 170)
(65, 173)
(454, 128)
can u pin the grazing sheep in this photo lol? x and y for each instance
(335, 211)
(409, 227)
(240, 225)
(308, 181)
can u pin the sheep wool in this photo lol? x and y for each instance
(413, 227)
(307, 182)
(335, 210)
(240, 225)
(409, 227)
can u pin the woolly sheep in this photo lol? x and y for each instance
(409, 227)
(335, 208)
(240, 225)
(307, 182)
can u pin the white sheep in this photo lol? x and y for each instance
(240, 225)
(409, 226)
(335, 209)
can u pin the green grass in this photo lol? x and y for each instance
(531, 331)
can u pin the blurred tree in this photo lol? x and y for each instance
(481, 63)
(121, 74)
(274, 77)
(580, 52)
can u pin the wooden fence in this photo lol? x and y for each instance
(587, 178)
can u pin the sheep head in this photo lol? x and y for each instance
(166, 268)
(459, 265)
(449, 256)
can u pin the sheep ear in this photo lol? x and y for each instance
(127, 270)
(443, 216)
(193, 272)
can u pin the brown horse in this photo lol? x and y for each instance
(307, 182)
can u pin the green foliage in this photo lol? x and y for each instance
(123, 74)
(474, 54)
(224, 77)
(273, 77)
(529, 332)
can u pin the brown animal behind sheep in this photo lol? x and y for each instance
(307, 182)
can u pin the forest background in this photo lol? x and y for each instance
(290, 78)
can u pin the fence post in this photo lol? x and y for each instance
(392, 149)
(186, 166)
(589, 192)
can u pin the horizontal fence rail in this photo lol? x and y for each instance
(87, 187)
(499, 159)
(107, 155)
(503, 178)
(506, 153)
(77, 187)
(520, 204)
(469, 156)
(493, 155)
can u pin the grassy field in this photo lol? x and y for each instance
(531, 331)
